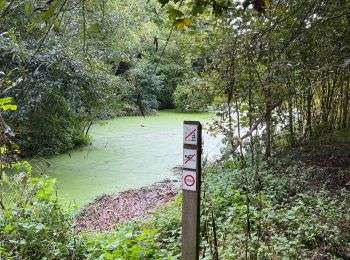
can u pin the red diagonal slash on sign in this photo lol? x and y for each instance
(189, 158)
(190, 133)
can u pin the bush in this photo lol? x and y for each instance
(286, 219)
(32, 224)
(127, 242)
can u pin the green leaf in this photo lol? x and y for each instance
(8, 228)
(182, 23)
(108, 255)
(5, 100)
(46, 15)
(4, 104)
(2, 4)
(8, 107)
(27, 8)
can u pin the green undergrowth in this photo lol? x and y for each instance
(292, 207)
(284, 218)
(292, 213)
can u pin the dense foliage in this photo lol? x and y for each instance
(277, 72)
(33, 225)
(69, 63)
(300, 209)
(281, 67)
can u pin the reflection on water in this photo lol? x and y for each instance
(128, 152)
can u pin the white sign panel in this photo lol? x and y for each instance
(189, 180)
(190, 159)
(190, 134)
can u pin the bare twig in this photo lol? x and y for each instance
(278, 22)
(169, 36)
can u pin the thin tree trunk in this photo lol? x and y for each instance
(268, 96)
(308, 110)
(268, 129)
(290, 115)
(346, 105)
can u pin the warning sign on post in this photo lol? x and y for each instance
(191, 185)
(190, 134)
(189, 180)
(190, 159)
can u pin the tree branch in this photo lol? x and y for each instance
(250, 132)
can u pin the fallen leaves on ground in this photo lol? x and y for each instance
(109, 210)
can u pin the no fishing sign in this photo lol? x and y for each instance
(190, 134)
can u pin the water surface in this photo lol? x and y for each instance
(128, 152)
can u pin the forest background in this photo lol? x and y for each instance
(279, 70)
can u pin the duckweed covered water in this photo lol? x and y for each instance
(128, 152)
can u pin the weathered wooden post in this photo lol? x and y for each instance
(191, 182)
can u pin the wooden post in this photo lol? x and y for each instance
(191, 185)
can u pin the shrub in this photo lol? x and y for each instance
(127, 242)
(32, 225)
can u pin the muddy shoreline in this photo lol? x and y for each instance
(107, 211)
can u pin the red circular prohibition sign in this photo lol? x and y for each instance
(189, 184)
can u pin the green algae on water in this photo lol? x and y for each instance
(126, 153)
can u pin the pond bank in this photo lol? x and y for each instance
(106, 211)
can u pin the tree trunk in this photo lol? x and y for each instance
(268, 126)
(308, 110)
(290, 116)
(346, 105)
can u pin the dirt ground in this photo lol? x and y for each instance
(109, 210)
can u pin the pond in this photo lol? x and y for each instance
(128, 152)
